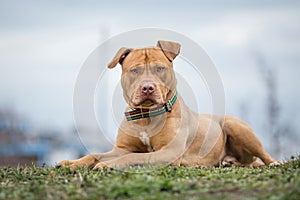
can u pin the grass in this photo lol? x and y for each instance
(282, 182)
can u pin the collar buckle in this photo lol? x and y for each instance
(168, 106)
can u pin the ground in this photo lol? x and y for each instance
(277, 182)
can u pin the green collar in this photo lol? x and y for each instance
(138, 113)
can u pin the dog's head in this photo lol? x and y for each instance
(148, 77)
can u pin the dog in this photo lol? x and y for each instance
(159, 129)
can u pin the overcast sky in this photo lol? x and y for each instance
(43, 45)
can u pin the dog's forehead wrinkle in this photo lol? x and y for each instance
(145, 56)
(146, 68)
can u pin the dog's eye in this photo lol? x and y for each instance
(134, 70)
(160, 69)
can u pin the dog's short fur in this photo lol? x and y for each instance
(180, 137)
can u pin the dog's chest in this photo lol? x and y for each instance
(145, 139)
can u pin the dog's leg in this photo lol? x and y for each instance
(229, 161)
(158, 158)
(243, 144)
(92, 159)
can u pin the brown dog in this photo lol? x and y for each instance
(160, 129)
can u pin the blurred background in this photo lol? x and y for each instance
(255, 46)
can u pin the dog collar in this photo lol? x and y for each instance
(138, 113)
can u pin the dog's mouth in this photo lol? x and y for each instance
(147, 101)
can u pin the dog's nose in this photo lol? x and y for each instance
(148, 88)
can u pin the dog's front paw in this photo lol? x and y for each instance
(86, 161)
(101, 166)
(64, 163)
(73, 164)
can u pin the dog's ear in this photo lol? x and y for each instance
(170, 49)
(119, 57)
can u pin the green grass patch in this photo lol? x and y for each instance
(281, 182)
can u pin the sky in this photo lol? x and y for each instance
(43, 45)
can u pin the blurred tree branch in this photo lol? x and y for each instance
(269, 75)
